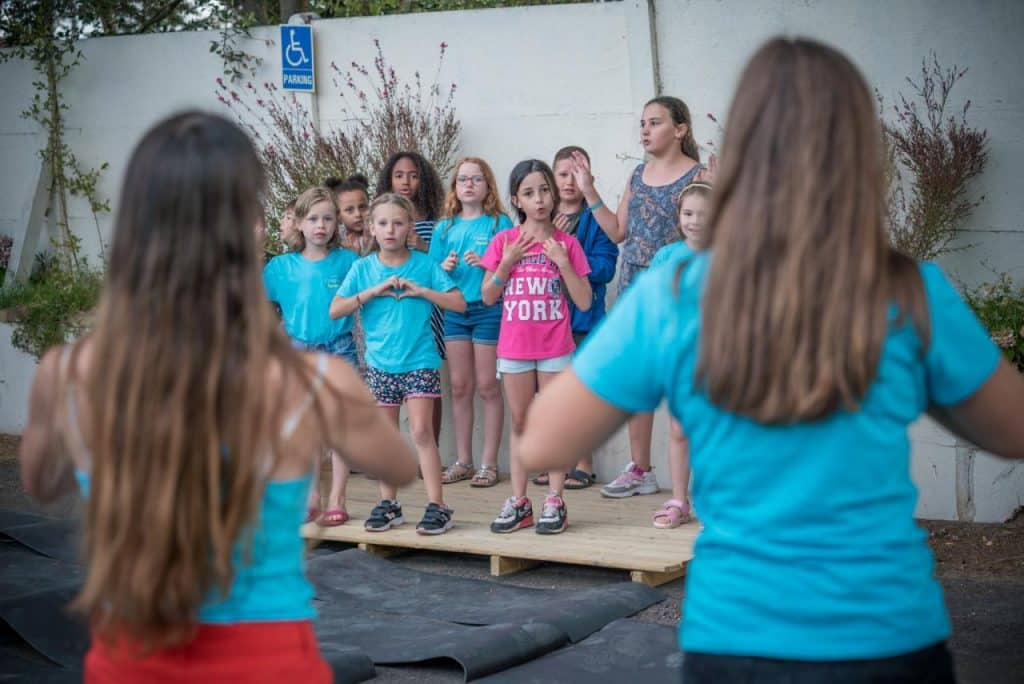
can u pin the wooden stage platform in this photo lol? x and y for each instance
(607, 533)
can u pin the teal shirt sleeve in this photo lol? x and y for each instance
(271, 276)
(961, 355)
(620, 361)
(673, 251)
(354, 281)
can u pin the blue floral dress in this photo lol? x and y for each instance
(653, 221)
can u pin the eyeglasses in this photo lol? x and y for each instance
(463, 180)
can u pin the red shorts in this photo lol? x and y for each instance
(270, 652)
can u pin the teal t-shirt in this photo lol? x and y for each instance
(398, 337)
(673, 252)
(459, 235)
(809, 548)
(304, 290)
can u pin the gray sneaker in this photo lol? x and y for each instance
(631, 481)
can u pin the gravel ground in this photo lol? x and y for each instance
(980, 566)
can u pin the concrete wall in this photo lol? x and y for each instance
(531, 80)
(517, 98)
(703, 45)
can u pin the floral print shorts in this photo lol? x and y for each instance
(392, 389)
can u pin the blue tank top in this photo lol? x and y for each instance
(271, 585)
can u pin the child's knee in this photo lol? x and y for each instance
(517, 422)
(461, 387)
(422, 434)
(489, 390)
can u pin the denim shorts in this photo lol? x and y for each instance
(514, 366)
(392, 389)
(343, 346)
(479, 323)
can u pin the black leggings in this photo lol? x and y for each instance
(931, 665)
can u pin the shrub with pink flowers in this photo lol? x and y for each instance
(381, 115)
(1000, 306)
(933, 154)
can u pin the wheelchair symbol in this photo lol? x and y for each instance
(293, 53)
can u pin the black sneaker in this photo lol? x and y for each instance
(515, 515)
(436, 520)
(384, 516)
(553, 518)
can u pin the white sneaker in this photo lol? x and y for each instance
(630, 482)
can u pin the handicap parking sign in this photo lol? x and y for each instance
(297, 58)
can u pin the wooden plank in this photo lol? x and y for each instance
(506, 565)
(382, 551)
(610, 533)
(654, 579)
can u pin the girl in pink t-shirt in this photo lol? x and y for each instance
(534, 267)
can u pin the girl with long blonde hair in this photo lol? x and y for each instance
(192, 426)
(796, 352)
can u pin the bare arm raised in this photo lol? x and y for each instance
(47, 472)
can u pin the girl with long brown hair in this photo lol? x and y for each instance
(796, 352)
(646, 221)
(473, 214)
(192, 427)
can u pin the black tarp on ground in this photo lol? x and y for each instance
(34, 593)
(391, 639)
(369, 609)
(54, 538)
(624, 651)
(374, 584)
(23, 666)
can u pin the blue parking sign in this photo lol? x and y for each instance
(297, 58)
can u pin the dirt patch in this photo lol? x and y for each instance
(9, 445)
(978, 550)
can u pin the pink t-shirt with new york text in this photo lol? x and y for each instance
(535, 310)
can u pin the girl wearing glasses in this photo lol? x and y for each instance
(473, 216)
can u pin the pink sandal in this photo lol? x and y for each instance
(672, 514)
(312, 513)
(333, 517)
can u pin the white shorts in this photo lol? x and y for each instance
(513, 366)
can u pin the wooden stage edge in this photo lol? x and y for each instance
(607, 533)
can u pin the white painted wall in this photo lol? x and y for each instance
(703, 45)
(531, 80)
(16, 372)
